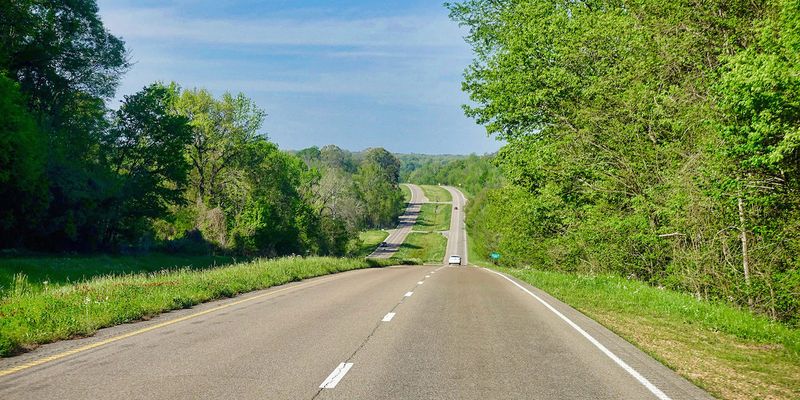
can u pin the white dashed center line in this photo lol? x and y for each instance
(408, 294)
(420, 283)
(333, 379)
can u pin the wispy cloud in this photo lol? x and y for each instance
(363, 77)
(169, 24)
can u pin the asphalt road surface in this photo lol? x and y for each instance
(432, 332)
(457, 236)
(405, 225)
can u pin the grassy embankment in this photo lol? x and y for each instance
(62, 270)
(34, 313)
(424, 247)
(434, 217)
(406, 193)
(731, 353)
(436, 194)
(425, 243)
(369, 241)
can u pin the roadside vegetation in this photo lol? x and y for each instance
(52, 270)
(665, 155)
(37, 314)
(436, 193)
(367, 242)
(171, 169)
(434, 217)
(729, 352)
(426, 248)
(406, 194)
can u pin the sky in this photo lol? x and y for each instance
(358, 74)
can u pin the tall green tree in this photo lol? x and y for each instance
(23, 188)
(145, 146)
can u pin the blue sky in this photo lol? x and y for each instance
(355, 73)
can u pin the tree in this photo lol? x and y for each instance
(145, 145)
(56, 48)
(222, 131)
(23, 188)
(386, 162)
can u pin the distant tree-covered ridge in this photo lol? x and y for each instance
(472, 173)
(659, 140)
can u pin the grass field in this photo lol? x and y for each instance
(434, 217)
(406, 193)
(731, 353)
(60, 270)
(436, 193)
(32, 315)
(369, 241)
(425, 247)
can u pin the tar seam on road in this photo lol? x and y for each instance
(388, 317)
(112, 339)
(652, 388)
(333, 379)
(371, 334)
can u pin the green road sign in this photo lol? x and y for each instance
(495, 255)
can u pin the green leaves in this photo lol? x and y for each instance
(633, 129)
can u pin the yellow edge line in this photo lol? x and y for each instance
(90, 346)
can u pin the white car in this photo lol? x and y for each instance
(454, 260)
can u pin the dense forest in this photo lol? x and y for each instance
(658, 140)
(472, 173)
(171, 168)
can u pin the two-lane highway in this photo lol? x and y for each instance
(428, 332)
(406, 223)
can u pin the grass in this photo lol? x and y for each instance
(731, 353)
(434, 217)
(436, 193)
(406, 193)
(60, 270)
(369, 241)
(425, 247)
(35, 314)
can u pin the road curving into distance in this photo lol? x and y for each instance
(424, 332)
(406, 223)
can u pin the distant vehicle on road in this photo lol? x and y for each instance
(454, 260)
(383, 244)
(456, 207)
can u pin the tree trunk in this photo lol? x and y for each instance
(745, 252)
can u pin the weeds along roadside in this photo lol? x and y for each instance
(30, 316)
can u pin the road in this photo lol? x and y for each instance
(457, 236)
(405, 224)
(426, 332)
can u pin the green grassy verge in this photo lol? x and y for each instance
(31, 315)
(406, 193)
(425, 247)
(368, 241)
(434, 217)
(436, 193)
(60, 270)
(731, 353)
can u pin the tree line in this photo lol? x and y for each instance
(658, 140)
(471, 173)
(171, 168)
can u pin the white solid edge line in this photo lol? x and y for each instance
(333, 379)
(408, 294)
(652, 388)
(388, 317)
